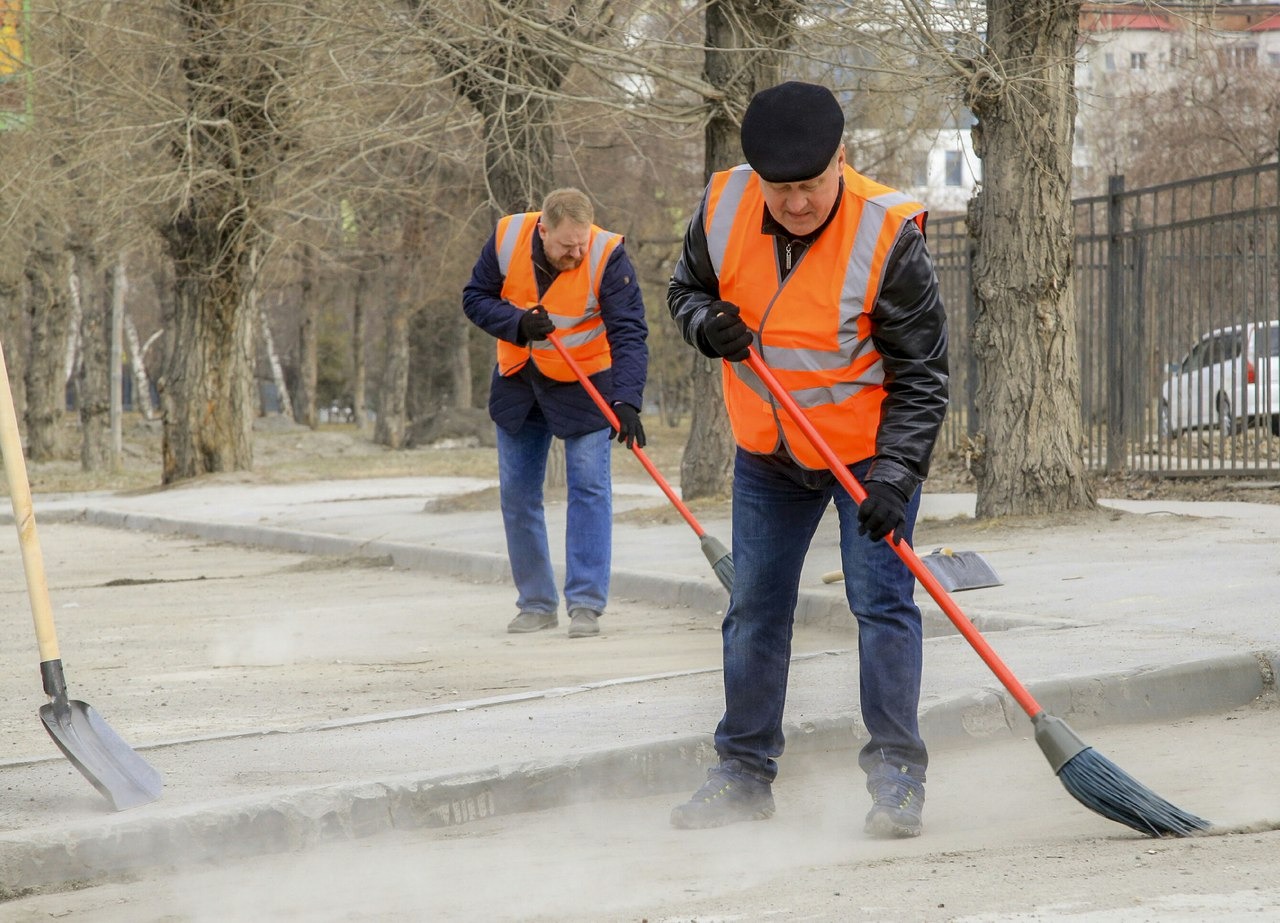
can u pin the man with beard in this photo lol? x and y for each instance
(555, 271)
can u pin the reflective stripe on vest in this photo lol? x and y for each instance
(813, 327)
(572, 300)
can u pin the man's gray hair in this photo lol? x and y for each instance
(571, 204)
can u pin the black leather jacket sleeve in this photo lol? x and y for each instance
(908, 326)
(693, 284)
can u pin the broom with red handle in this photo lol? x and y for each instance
(1091, 778)
(712, 548)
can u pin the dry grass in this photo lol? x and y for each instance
(285, 452)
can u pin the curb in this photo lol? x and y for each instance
(296, 819)
(699, 593)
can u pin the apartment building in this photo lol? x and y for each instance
(1125, 48)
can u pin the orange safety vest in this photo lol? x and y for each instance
(814, 328)
(572, 300)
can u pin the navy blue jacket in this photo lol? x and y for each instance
(566, 406)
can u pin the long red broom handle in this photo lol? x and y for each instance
(905, 551)
(612, 419)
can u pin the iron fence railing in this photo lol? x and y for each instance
(1178, 319)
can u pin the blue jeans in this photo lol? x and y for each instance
(522, 468)
(774, 520)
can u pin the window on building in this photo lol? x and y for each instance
(1138, 61)
(955, 168)
(1109, 61)
(1273, 58)
(1240, 56)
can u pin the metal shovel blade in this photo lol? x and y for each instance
(124, 778)
(960, 570)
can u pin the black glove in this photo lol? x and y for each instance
(725, 332)
(535, 324)
(629, 428)
(884, 511)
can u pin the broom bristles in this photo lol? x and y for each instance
(724, 570)
(720, 560)
(1102, 786)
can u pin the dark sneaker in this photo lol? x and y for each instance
(728, 796)
(526, 622)
(899, 802)
(583, 623)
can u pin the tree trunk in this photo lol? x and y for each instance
(308, 341)
(206, 389)
(1029, 458)
(706, 469)
(359, 323)
(394, 387)
(93, 380)
(49, 308)
(744, 42)
(13, 326)
(458, 357)
(235, 130)
(141, 381)
(273, 359)
(71, 348)
(117, 286)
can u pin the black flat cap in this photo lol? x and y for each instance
(790, 132)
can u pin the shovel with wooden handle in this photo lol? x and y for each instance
(120, 774)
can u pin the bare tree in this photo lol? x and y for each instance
(237, 111)
(137, 362)
(1210, 113)
(93, 376)
(308, 338)
(745, 41)
(13, 326)
(359, 333)
(1021, 88)
(49, 311)
(500, 61)
(435, 116)
(390, 429)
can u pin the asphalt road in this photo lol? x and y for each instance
(1003, 842)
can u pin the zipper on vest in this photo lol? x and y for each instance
(790, 244)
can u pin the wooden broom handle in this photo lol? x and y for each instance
(15, 469)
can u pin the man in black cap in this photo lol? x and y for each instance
(826, 273)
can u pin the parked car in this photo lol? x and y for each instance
(1229, 379)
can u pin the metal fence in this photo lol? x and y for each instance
(1178, 322)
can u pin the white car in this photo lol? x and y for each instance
(1229, 379)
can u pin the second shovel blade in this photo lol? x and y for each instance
(961, 570)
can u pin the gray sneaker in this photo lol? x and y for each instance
(526, 622)
(899, 803)
(728, 796)
(583, 623)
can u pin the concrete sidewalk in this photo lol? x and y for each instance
(1155, 612)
